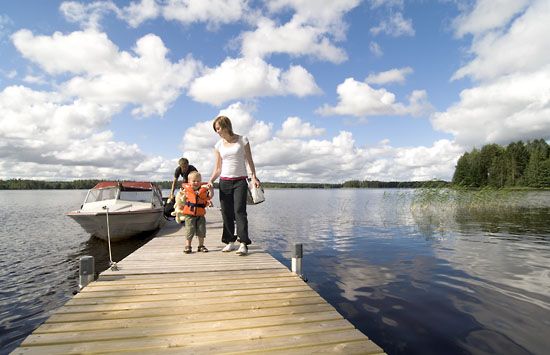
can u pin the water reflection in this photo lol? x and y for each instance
(99, 249)
(439, 279)
(39, 258)
(442, 279)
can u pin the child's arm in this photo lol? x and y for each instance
(210, 192)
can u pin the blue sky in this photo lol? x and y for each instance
(327, 91)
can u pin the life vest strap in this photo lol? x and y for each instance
(194, 205)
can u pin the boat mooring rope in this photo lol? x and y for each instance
(112, 264)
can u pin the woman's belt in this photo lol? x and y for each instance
(233, 178)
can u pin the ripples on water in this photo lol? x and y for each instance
(39, 258)
(434, 280)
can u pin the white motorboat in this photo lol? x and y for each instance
(130, 207)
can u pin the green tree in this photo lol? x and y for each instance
(462, 170)
(539, 152)
(492, 165)
(517, 157)
(468, 171)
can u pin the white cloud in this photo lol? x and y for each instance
(487, 15)
(311, 31)
(293, 38)
(46, 136)
(213, 12)
(106, 75)
(329, 14)
(510, 100)
(390, 76)
(523, 47)
(246, 78)
(44, 128)
(359, 99)
(427, 163)
(511, 108)
(75, 53)
(288, 156)
(34, 79)
(293, 127)
(394, 26)
(43, 117)
(66, 132)
(138, 12)
(88, 15)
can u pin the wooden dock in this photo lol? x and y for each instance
(163, 301)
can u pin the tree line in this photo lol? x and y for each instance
(25, 184)
(516, 165)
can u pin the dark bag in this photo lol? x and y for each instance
(168, 209)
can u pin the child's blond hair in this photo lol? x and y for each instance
(194, 174)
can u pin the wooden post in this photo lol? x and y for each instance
(297, 254)
(86, 272)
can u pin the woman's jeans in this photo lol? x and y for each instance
(233, 205)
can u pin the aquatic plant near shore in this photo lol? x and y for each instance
(469, 199)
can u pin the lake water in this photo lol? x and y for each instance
(429, 277)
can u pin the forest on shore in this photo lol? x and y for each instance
(516, 165)
(24, 184)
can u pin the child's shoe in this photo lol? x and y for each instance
(202, 248)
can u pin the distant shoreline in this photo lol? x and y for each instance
(27, 184)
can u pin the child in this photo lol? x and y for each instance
(191, 203)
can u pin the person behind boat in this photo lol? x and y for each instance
(182, 170)
(193, 198)
(232, 152)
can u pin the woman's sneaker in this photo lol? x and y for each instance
(243, 250)
(229, 247)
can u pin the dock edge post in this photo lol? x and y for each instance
(86, 272)
(297, 255)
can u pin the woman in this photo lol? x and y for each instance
(232, 153)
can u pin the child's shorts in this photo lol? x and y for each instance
(194, 225)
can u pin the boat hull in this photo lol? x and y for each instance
(122, 225)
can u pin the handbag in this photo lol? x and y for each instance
(168, 209)
(255, 194)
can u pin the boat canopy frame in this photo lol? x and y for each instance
(118, 187)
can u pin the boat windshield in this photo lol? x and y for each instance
(101, 195)
(111, 194)
(138, 196)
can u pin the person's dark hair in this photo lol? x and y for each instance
(183, 161)
(224, 122)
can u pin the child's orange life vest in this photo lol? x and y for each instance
(195, 201)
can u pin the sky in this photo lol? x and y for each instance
(326, 91)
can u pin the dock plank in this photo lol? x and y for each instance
(163, 301)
